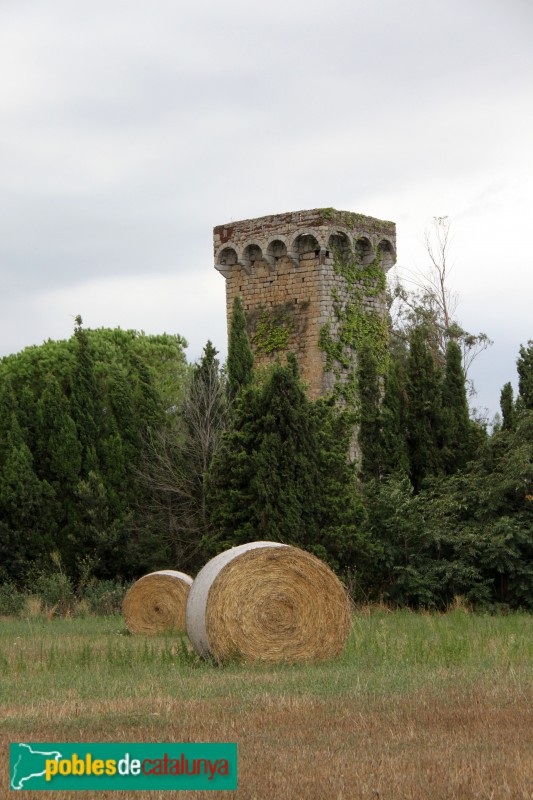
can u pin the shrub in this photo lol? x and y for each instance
(56, 592)
(11, 600)
(104, 596)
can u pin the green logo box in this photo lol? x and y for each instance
(100, 765)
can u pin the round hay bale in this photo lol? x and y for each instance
(156, 602)
(266, 601)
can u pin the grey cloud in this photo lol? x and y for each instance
(127, 130)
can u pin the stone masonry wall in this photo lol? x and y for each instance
(282, 268)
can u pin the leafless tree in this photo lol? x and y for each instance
(176, 462)
(433, 300)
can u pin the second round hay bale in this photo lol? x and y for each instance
(156, 603)
(265, 601)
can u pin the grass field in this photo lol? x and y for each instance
(418, 707)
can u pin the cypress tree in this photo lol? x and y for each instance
(508, 408)
(394, 455)
(424, 423)
(281, 472)
(82, 408)
(125, 419)
(262, 475)
(58, 448)
(83, 399)
(240, 356)
(58, 459)
(369, 414)
(27, 530)
(525, 376)
(456, 439)
(147, 399)
(8, 412)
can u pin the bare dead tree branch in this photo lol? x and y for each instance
(431, 298)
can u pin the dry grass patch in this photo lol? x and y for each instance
(441, 745)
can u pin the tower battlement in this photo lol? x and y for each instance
(285, 269)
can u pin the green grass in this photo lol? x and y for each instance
(386, 652)
(417, 706)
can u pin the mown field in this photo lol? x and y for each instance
(420, 706)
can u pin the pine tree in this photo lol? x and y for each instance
(508, 408)
(240, 356)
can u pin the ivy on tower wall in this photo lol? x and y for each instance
(270, 328)
(359, 322)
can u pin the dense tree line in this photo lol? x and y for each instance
(448, 506)
(452, 516)
(73, 418)
(116, 457)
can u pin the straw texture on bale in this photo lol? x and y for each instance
(156, 602)
(265, 601)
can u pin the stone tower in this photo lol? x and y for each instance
(296, 297)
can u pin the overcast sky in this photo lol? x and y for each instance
(130, 128)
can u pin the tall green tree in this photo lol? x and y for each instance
(457, 441)
(525, 376)
(424, 410)
(240, 356)
(393, 421)
(58, 450)
(369, 393)
(282, 473)
(8, 413)
(73, 416)
(27, 533)
(84, 399)
(507, 406)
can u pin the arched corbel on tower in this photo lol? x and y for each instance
(364, 252)
(387, 253)
(226, 259)
(276, 249)
(339, 245)
(306, 242)
(251, 253)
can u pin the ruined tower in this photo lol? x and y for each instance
(311, 282)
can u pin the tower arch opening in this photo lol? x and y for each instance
(339, 245)
(251, 254)
(388, 256)
(227, 257)
(363, 250)
(306, 243)
(276, 249)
